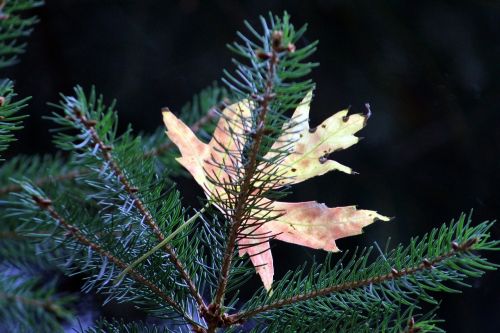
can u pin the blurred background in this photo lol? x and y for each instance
(429, 69)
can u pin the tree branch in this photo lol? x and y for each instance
(141, 207)
(47, 304)
(45, 204)
(72, 174)
(214, 315)
(427, 264)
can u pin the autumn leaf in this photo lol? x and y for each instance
(310, 224)
(311, 145)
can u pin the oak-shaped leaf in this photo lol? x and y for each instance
(310, 224)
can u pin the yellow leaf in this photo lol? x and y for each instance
(310, 147)
(310, 223)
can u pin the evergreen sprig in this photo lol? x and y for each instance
(116, 326)
(28, 302)
(10, 120)
(269, 79)
(46, 170)
(373, 318)
(111, 200)
(402, 276)
(13, 27)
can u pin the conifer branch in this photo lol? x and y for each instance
(46, 305)
(45, 204)
(250, 169)
(13, 27)
(165, 241)
(427, 264)
(72, 174)
(67, 176)
(141, 207)
(131, 221)
(28, 304)
(9, 119)
(11, 235)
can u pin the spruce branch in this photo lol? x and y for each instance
(122, 241)
(401, 277)
(70, 175)
(376, 317)
(164, 242)
(29, 304)
(237, 177)
(9, 119)
(13, 27)
(89, 125)
(46, 305)
(116, 326)
(44, 171)
(120, 225)
(395, 274)
(49, 170)
(45, 204)
(241, 202)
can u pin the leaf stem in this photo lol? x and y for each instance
(162, 243)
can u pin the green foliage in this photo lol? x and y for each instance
(395, 279)
(9, 119)
(14, 26)
(28, 303)
(111, 199)
(120, 327)
(57, 173)
(117, 180)
(369, 319)
(251, 75)
(37, 249)
(268, 80)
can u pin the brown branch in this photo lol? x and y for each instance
(72, 174)
(132, 192)
(214, 316)
(73, 231)
(426, 264)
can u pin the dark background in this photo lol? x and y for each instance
(430, 70)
